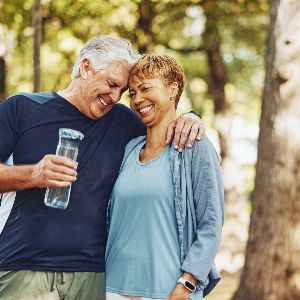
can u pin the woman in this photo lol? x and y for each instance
(166, 209)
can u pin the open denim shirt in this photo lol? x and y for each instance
(199, 206)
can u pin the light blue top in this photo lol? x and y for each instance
(143, 251)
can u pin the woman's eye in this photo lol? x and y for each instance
(144, 89)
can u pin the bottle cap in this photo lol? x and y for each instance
(70, 134)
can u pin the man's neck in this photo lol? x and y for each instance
(72, 94)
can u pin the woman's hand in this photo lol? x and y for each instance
(179, 293)
(185, 130)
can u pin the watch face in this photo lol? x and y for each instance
(190, 286)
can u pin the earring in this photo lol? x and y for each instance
(171, 98)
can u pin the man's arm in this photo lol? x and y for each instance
(185, 130)
(51, 171)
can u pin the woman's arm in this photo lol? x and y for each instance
(180, 292)
(208, 196)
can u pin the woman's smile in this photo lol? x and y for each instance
(145, 110)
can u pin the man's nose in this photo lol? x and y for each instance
(115, 96)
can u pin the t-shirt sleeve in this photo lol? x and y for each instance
(138, 128)
(130, 121)
(9, 124)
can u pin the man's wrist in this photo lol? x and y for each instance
(195, 113)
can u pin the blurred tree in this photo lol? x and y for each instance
(235, 194)
(272, 268)
(2, 65)
(2, 78)
(16, 15)
(2, 62)
(63, 33)
(37, 28)
(6, 45)
(223, 21)
(143, 34)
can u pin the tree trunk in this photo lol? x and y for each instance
(37, 27)
(272, 267)
(2, 79)
(218, 79)
(143, 32)
(233, 182)
(234, 241)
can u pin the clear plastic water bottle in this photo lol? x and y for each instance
(68, 146)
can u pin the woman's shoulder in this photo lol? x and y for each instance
(204, 145)
(201, 149)
(133, 143)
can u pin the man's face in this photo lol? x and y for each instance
(101, 89)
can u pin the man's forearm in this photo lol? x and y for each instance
(51, 171)
(15, 178)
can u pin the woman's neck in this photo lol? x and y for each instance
(157, 134)
(156, 138)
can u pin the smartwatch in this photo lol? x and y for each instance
(187, 284)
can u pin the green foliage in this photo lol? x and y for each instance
(180, 28)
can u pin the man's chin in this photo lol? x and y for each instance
(100, 114)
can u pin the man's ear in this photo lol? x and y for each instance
(174, 89)
(85, 68)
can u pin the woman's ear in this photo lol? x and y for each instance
(85, 68)
(174, 90)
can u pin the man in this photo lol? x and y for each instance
(48, 253)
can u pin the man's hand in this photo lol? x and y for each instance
(185, 130)
(54, 171)
(179, 293)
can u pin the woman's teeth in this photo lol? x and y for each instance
(145, 109)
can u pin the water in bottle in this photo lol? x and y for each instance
(68, 146)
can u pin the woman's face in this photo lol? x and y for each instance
(150, 99)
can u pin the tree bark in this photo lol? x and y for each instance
(2, 79)
(143, 32)
(233, 182)
(234, 241)
(37, 27)
(272, 267)
(218, 79)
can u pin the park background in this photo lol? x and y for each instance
(242, 62)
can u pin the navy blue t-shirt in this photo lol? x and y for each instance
(34, 236)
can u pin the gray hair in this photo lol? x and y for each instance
(103, 49)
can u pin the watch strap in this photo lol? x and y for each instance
(195, 113)
(187, 284)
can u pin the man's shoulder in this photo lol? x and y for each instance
(124, 111)
(40, 98)
(24, 98)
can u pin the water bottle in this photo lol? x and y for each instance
(68, 146)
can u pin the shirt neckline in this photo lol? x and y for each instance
(137, 155)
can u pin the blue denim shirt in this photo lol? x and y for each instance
(199, 204)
